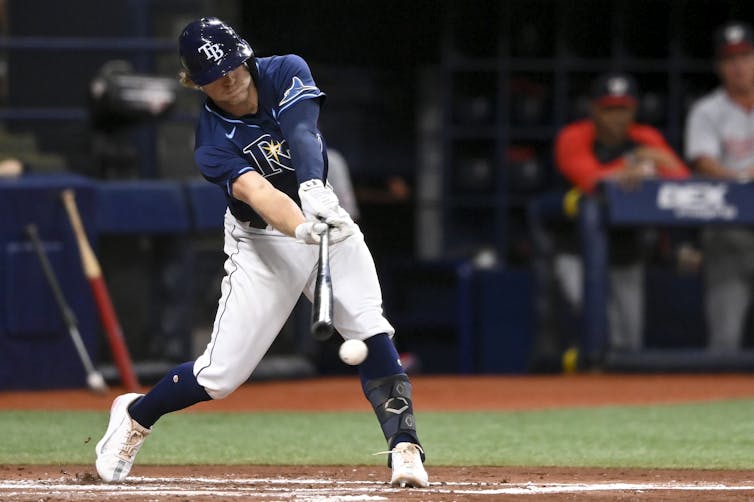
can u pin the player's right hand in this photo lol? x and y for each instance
(318, 200)
(310, 232)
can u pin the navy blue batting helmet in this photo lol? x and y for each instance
(209, 49)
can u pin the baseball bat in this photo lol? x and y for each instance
(93, 273)
(322, 327)
(94, 378)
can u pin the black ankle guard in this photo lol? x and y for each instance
(391, 399)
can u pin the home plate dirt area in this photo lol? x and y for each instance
(204, 483)
(370, 483)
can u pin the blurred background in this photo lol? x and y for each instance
(446, 112)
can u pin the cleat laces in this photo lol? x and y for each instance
(404, 451)
(131, 445)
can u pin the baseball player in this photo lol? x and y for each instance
(611, 145)
(258, 141)
(720, 144)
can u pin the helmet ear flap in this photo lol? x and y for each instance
(209, 48)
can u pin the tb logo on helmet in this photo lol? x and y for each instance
(212, 51)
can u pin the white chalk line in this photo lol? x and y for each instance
(318, 489)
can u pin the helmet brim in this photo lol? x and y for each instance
(226, 66)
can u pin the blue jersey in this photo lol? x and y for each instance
(226, 146)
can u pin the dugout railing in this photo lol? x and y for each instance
(691, 203)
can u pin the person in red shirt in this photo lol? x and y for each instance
(611, 145)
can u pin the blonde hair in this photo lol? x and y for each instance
(186, 81)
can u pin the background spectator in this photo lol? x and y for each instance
(720, 144)
(610, 145)
(339, 177)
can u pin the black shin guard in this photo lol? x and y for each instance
(391, 399)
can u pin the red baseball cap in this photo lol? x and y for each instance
(733, 38)
(615, 89)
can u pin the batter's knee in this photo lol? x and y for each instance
(217, 390)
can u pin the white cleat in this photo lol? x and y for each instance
(408, 470)
(120, 444)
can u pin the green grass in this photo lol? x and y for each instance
(713, 435)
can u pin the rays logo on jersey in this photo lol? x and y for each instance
(296, 89)
(270, 155)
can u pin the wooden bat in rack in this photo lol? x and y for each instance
(322, 327)
(93, 273)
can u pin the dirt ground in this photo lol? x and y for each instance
(347, 483)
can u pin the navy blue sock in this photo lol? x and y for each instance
(177, 390)
(382, 361)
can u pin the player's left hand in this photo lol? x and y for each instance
(318, 200)
(341, 225)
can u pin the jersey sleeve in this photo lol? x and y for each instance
(295, 83)
(299, 127)
(700, 137)
(650, 136)
(221, 166)
(575, 158)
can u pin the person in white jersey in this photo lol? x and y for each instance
(719, 143)
(257, 140)
(339, 176)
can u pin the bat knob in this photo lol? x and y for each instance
(321, 331)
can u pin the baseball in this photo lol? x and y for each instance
(353, 352)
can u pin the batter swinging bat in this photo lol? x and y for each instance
(93, 274)
(94, 378)
(322, 302)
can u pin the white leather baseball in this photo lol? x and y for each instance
(353, 352)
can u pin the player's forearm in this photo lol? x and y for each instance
(576, 161)
(707, 166)
(279, 211)
(275, 207)
(664, 159)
